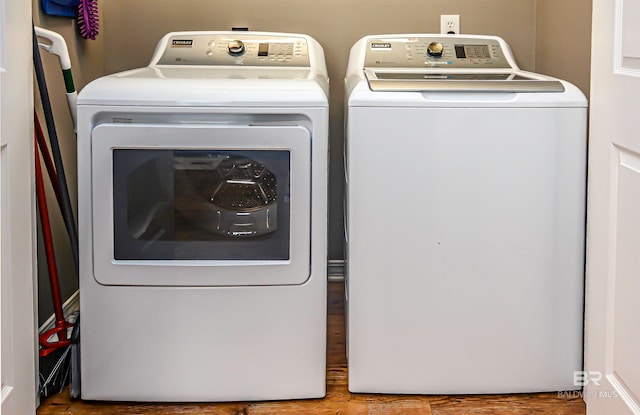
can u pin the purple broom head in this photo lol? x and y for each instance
(88, 18)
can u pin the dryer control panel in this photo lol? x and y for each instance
(431, 51)
(232, 49)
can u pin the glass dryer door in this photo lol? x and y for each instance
(201, 205)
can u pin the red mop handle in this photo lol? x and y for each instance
(61, 324)
(46, 158)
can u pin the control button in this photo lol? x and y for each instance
(236, 48)
(435, 49)
(209, 52)
(211, 43)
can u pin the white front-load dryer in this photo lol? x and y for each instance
(465, 200)
(202, 214)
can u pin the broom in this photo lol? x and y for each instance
(55, 343)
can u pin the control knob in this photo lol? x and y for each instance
(236, 48)
(435, 49)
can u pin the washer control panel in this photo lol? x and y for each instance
(237, 48)
(435, 52)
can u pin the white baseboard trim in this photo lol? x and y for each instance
(69, 307)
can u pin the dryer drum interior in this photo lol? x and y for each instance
(242, 193)
(233, 198)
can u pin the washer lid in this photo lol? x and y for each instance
(459, 81)
(446, 63)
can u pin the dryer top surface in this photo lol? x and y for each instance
(220, 69)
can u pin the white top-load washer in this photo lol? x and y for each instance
(465, 201)
(202, 185)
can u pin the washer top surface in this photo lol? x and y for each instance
(422, 68)
(231, 68)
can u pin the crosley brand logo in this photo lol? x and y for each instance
(181, 43)
(381, 45)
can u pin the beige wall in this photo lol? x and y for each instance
(86, 65)
(563, 40)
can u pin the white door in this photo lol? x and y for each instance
(18, 340)
(612, 351)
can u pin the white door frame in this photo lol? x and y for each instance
(612, 335)
(17, 211)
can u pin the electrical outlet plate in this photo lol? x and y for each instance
(450, 24)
